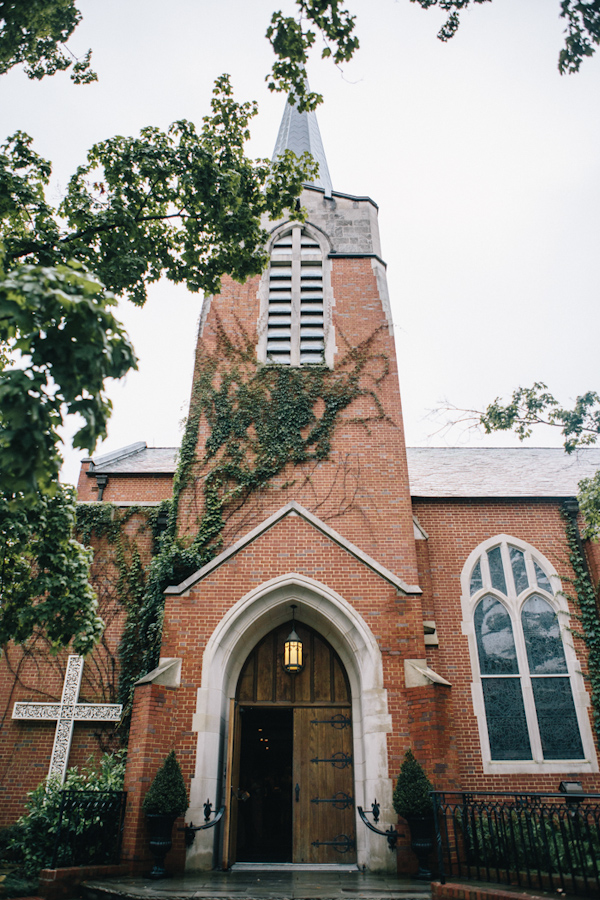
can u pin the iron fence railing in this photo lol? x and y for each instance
(534, 840)
(90, 828)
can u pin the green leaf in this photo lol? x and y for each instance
(33, 34)
(64, 342)
(44, 572)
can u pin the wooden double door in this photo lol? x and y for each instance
(290, 759)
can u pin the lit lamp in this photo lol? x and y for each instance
(292, 649)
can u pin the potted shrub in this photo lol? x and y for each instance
(413, 802)
(165, 801)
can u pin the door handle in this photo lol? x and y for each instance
(297, 792)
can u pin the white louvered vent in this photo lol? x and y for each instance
(296, 324)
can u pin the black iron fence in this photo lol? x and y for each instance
(90, 828)
(534, 840)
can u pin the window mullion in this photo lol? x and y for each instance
(296, 267)
(530, 569)
(508, 571)
(531, 714)
(522, 661)
(528, 702)
(486, 578)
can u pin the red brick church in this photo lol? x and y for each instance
(424, 584)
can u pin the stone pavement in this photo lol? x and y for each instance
(287, 884)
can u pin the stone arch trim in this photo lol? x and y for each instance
(313, 230)
(240, 629)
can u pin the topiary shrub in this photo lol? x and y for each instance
(411, 795)
(167, 795)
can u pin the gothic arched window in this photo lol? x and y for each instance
(527, 692)
(296, 326)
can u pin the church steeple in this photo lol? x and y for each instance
(299, 131)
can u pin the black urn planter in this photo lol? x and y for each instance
(421, 838)
(160, 828)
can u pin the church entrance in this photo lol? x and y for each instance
(290, 767)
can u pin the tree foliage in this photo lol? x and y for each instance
(64, 342)
(35, 833)
(183, 204)
(291, 44)
(579, 424)
(33, 34)
(535, 405)
(335, 23)
(582, 34)
(44, 573)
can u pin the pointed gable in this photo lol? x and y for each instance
(296, 509)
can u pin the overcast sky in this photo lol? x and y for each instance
(484, 161)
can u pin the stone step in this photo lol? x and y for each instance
(278, 884)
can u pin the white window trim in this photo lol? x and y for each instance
(514, 606)
(328, 298)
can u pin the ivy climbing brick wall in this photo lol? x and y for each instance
(30, 673)
(593, 558)
(361, 486)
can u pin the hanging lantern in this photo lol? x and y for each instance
(292, 649)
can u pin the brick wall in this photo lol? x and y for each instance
(155, 730)
(138, 488)
(362, 489)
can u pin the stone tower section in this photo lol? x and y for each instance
(321, 312)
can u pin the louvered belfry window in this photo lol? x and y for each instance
(295, 322)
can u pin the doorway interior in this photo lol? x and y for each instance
(264, 827)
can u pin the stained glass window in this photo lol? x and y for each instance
(517, 561)
(545, 653)
(495, 641)
(529, 705)
(497, 569)
(557, 719)
(505, 713)
(476, 582)
(542, 579)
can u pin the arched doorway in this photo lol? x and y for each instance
(291, 756)
(249, 620)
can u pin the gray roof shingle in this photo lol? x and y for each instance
(137, 459)
(433, 471)
(498, 472)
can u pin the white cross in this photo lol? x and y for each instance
(66, 713)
